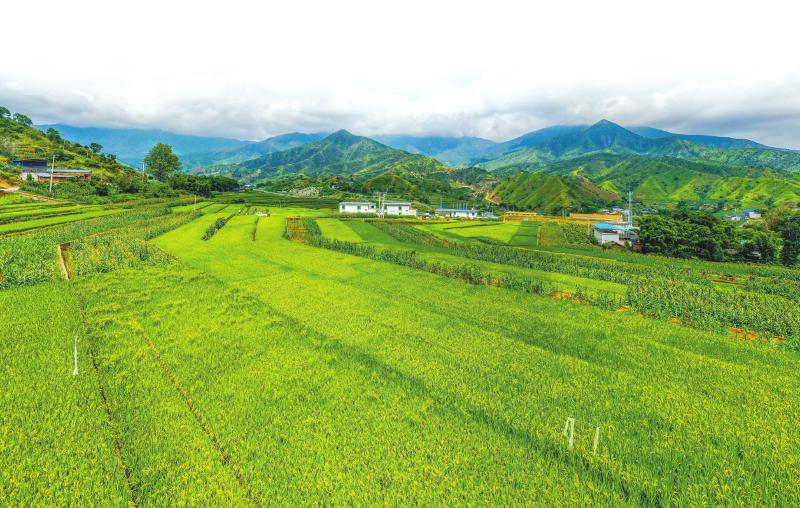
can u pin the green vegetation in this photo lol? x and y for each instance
(300, 358)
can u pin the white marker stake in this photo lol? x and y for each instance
(75, 371)
(570, 426)
(596, 440)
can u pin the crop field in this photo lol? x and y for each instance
(300, 359)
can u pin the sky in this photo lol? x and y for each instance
(494, 69)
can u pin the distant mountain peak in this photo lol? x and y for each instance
(343, 134)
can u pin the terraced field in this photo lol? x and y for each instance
(250, 369)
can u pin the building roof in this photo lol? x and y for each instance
(63, 170)
(613, 228)
(357, 203)
(607, 228)
(473, 210)
(397, 203)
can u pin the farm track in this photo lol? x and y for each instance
(61, 249)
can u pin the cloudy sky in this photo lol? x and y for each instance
(495, 69)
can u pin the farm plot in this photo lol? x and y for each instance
(338, 230)
(34, 223)
(527, 235)
(57, 447)
(516, 367)
(494, 232)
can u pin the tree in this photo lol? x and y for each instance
(791, 242)
(162, 162)
(762, 247)
(95, 147)
(53, 135)
(24, 120)
(4, 112)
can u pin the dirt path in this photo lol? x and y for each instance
(61, 250)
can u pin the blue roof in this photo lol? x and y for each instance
(602, 226)
(748, 210)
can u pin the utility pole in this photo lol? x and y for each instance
(630, 208)
(52, 169)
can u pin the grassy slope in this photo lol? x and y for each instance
(33, 143)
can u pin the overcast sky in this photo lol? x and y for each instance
(494, 69)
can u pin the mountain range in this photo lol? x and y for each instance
(131, 145)
(552, 169)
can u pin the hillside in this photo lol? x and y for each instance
(670, 180)
(341, 153)
(227, 155)
(700, 139)
(552, 194)
(131, 145)
(608, 137)
(18, 140)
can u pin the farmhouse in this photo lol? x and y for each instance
(752, 214)
(389, 208)
(618, 234)
(357, 207)
(458, 213)
(38, 170)
(398, 208)
(57, 175)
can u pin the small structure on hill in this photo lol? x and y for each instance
(38, 171)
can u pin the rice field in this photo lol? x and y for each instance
(371, 363)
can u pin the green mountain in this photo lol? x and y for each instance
(608, 137)
(341, 153)
(21, 141)
(551, 193)
(131, 145)
(453, 151)
(712, 141)
(227, 155)
(668, 180)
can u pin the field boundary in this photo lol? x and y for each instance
(225, 456)
(61, 249)
(112, 429)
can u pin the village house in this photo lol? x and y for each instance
(458, 213)
(389, 208)
(357, 207)
(399, 208)
(619, 234)
(752, 214)
(39, 170)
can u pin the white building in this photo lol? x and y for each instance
(458, 213)
(615, 233)
(357, 207)
(399, 208)
(389, 208)
(752, 214)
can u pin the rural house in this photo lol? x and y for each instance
(458, 213)
(618, 234)
(399, 208)
(389, 208)
(357, 207)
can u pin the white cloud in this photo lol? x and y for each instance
(251, 69)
